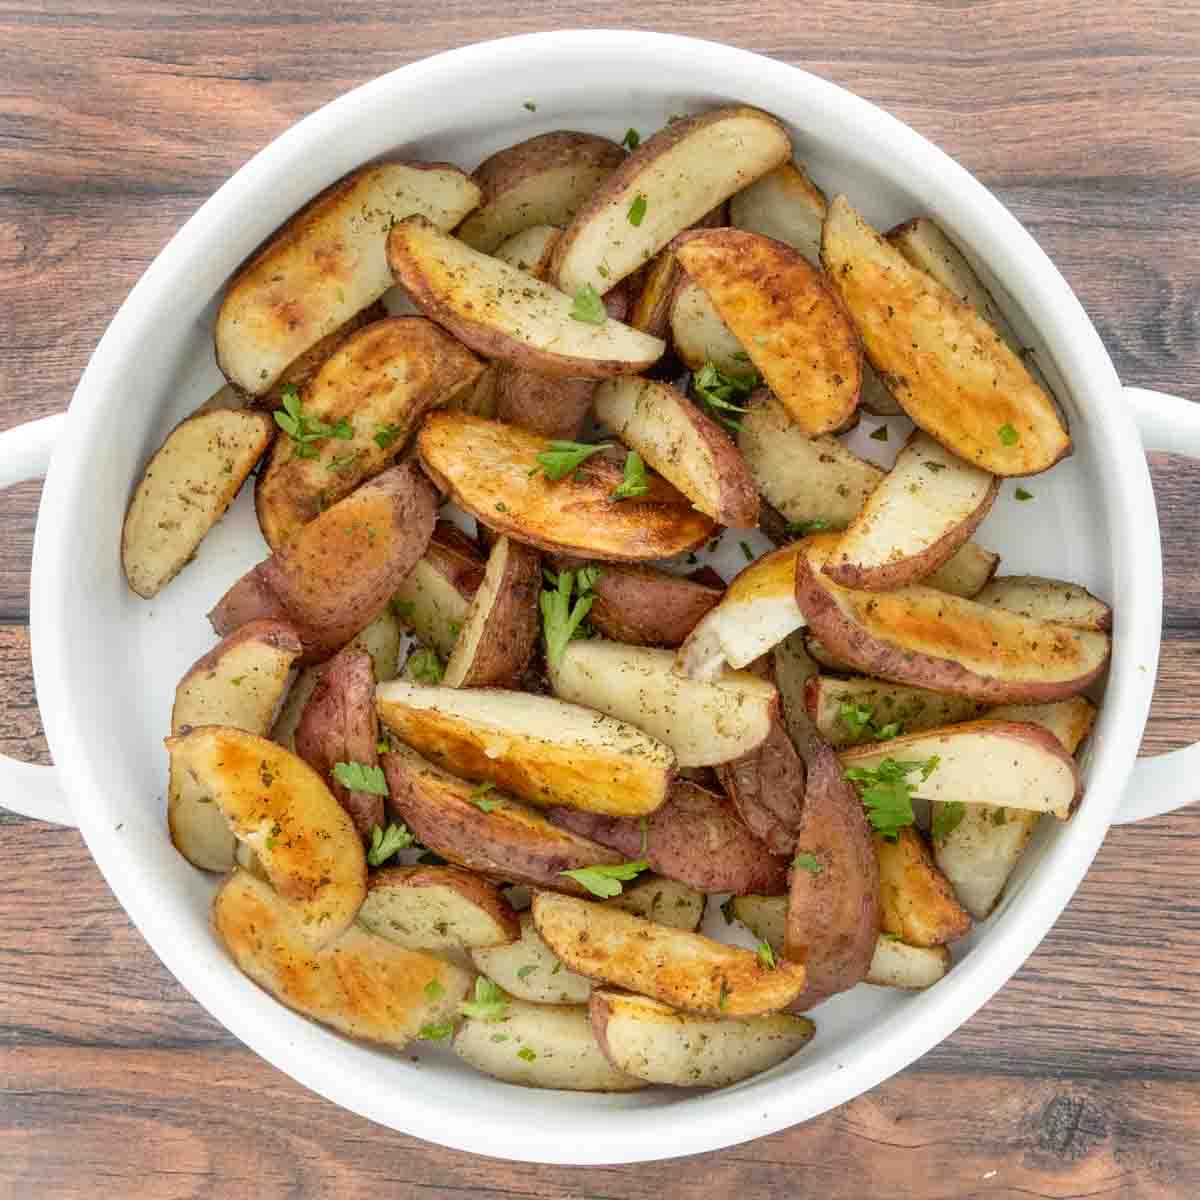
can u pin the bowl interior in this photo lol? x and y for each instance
(111, 675)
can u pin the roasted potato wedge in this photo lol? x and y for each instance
(434, 597)
(757, 612)
(833, 901)
(339, 725)
(783, 312)
(966, 572)
(910, 968)
(767, 789)
(336, 575)
(923, 510)
(686, 970)
(704, 721)
(280, 807)
(696, 837)
(530, 250)
(490, 469)
(544, 180)
(507, 842)
(502, 622)
(683, 445)
(381, 381)
(654, 1042)
(543, 1046)
(791, 668)
(681, 173)
(362, 985)
(666, 901)
(326, 264)
(237, 683)
(948, 368)
(1047, 600)
(528, 969)
(698, 334)
(504, 313)
(916, 902)
(184, 491)
(480, 400)
(1011, 763)
(539, 749)
(922, 636)
(849, 711)
(544, 404)
(764, 916)
(437, 908)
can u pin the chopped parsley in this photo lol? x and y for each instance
(634, 483)
(880, 434)
(604, 879)
(637, 210)
(632, 138)
(1022, 494)
(723, 998)
(342, 462)
(717, 392)
(588, 307)
(946, 818)
(886, 793)
(530, 105)
(527, 1053)
(766, 955)
(304, 430)
(527, 970)
(1008, 435)
(490, 1003)
(564, 457)
(424, 666)
(747, 551)
(804, 528)
(436, 1033)
(860, 721)
(479, 798)
(385, 843)
(807, 862)
(385, 435)
(405, 610)
(358, 777)
(563, 620)
(434, 990)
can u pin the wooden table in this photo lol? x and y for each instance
(1082, 1078)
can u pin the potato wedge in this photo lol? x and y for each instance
(703, 721)
(757, 612)
(654, 1042)
(683, 445)
(764, 916)
(480, 400)
(485, 466)
(658, 283)
(809, 480)
(666, 901)
(539, 749)
(382, 381)
(237, 683)
(433, 598)
(791, 668)
(916, 902)
(696, 838)
(698, 333)
(529, 970)
(686, 970)
(335, 576)
(683, 172)
(922, 636)
(1050, 600)
(910, 968)
(946, 365)
(280, 807)
(543, 1046)
(833, 900)
(966, 572)
(326, 264)
(645, 607)
(784, 205)
(1011, 763)
(767, 789)
(502, 622)
(501, 312)
(544, 404)
(362, 985)
(849, 711)
(783, 312)
(437, 908)
(184, 491)
(529, 250)
(544, 180)
(508, 842)
(923, 510)
(339, 725)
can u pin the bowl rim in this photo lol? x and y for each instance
(711, 1121)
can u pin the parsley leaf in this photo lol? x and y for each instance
(946, 818)
(632, 138)
(424, 666)
(766, 955)
(1022, 494)
(588, 307)
(385, 843)
(562, 620)
(726, 992)
(529, 104)
(564, 457)
(342, 462)
(746, 551)
(880, 434)
(1008, 435)
(405, 610)
(527, 1053)
(634, 482)
(358, 777)
(434, 990)
(886, 793)
(807, 862)
(436, 1033)
(804, 528)
(478, 797)
(637, 210)
(527, 970)
(860, 721)
(490, 1003)
(604, 879)
(305, 430)
(717, 392)
(385, 435)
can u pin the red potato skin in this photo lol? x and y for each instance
(870, 655)
(339, 724)
(271, 632)
(456, 557)
(696, 837)
(767, 788)
(554, 407)
(833, 914)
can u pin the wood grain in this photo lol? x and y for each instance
(1081, 1077)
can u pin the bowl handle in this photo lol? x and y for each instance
(1167, 781)
(25, 788)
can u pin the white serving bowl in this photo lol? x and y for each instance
(106, 663)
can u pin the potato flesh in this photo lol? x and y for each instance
(327, 264)
(1047, 600)
(704, 721)
(910, 968)
(529, 250)
(916, 901)
(700, 336)
(434, 597)
(785, 205)
(185, 490)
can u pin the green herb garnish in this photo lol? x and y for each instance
(637, 210)
(589, 307)
(1022, 494)
(880, 434)
(634, 482)
(479, 798)
(436, 1033)
(527, 970)
(562, 620)
(804, 528)
(807, 862)
(604, 879)
(434, 990)
(564, 457)
(304, 430)
(385, 843)
(717, 392)
(766, 955)
(726, 992)
(886, 793)
(424, 666)
(527, 1053)
(946, 818)
(631, 139)
(490, 1003)
(358, 777)
(1008, 435)
(749, 554)
(385, 435)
